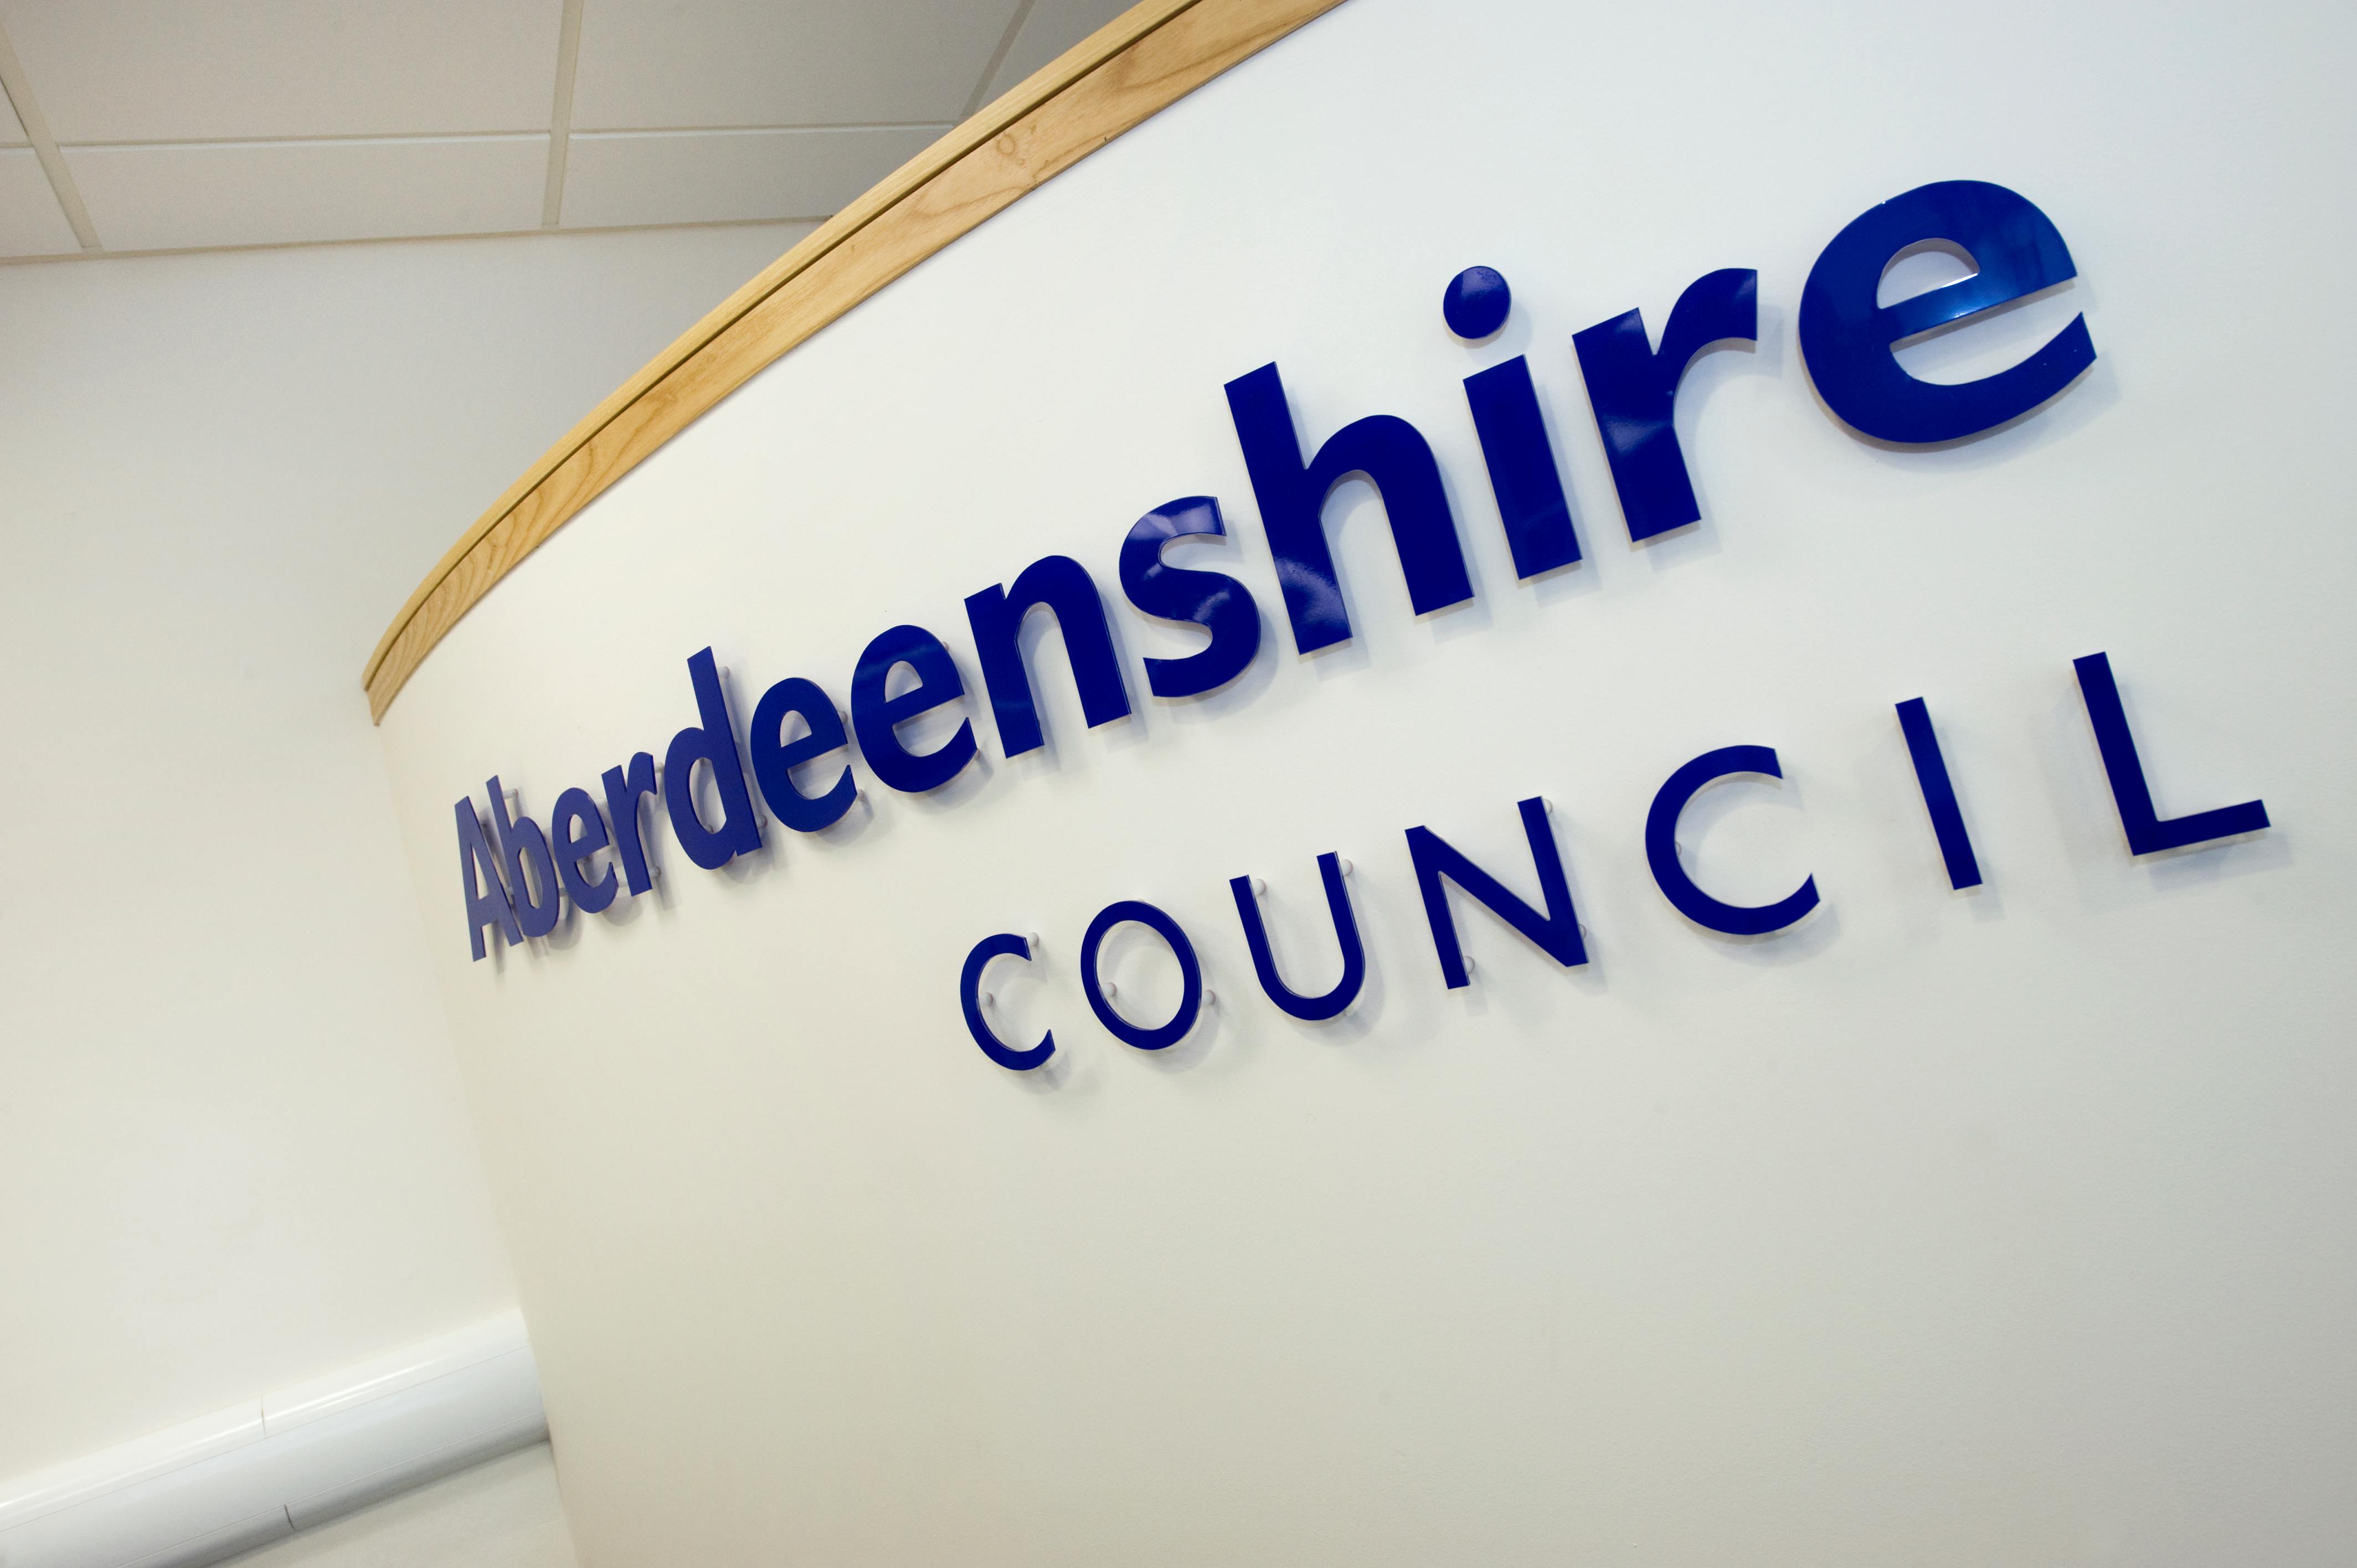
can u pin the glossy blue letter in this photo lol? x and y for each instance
(1847, 338)
(2147, 830)
(575, 811)
(775, 760)
(1346, 934)
(1634, 390)
(521, 840)
(1556, 931)
(875, 716)
(1662, 848)
(970, 1001)
(1190, 972)
(1939, 794)
(1062, 584)
(1292, 496)
(1213, 600)
(714, 744)
(478, 878)
(624, 790)
(1521, 460)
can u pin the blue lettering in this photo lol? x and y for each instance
(1846, 337)
(1633, 389)
(775, 759)
(875, 717)
(1061, 586)
(1662, 848)
(2147, 830)
(580, 833)
(1291, 497)
(1213, 600)
(1556, 931)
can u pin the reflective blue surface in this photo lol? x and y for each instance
(713, 742)
(1522, 475)
(970, 1002)
(1213, 600)
(2147, 830)
(1662, 848)
(1065, 588)
(1475, 302)
(1556, 931)
(774, 762)
(875, 717)
(1939, 794)
(1633, 389)
(1346, 934)
(579, 831)
(1291, 497)
(479, 877)
(523, 846)
(624, 788)
(1846, 337)
(1190, 1001)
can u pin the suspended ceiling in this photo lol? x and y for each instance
(136, 125)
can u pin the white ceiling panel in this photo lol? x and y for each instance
(155, 71)
(12, 130)
(31, 222)
(157, 198)
(712, 177)
(658, 65)
(1053, 27)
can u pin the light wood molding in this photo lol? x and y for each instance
(1144, 60)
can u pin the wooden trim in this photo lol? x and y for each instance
(1144, 60)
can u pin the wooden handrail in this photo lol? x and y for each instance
(1144, 59)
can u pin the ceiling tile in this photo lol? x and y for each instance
(711, 177)
(31, 222)
(156, 70)
(159, 199)
(1053, 27)
(655, 65)
(12, 130)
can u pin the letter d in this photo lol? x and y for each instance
(714, 744)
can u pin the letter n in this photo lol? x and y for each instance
(1556, 931)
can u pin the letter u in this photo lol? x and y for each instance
(1346, 932)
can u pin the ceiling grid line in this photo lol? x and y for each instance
(560, 116)
(45, 145)
(997, 58)
(229, 125)
(609, 133)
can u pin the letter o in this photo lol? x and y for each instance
(1190, 1004)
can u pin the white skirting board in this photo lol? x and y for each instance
(262, 1470)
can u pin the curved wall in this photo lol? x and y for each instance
(1942, 1227)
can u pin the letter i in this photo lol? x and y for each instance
(1513, 436)
(1939, 794)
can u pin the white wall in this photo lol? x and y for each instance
(505, 1514)
(233, 1151)
(1946, 1229)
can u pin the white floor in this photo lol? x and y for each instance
(499, 1515)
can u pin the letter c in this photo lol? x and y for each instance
(1662, 848)
(1002, 945)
